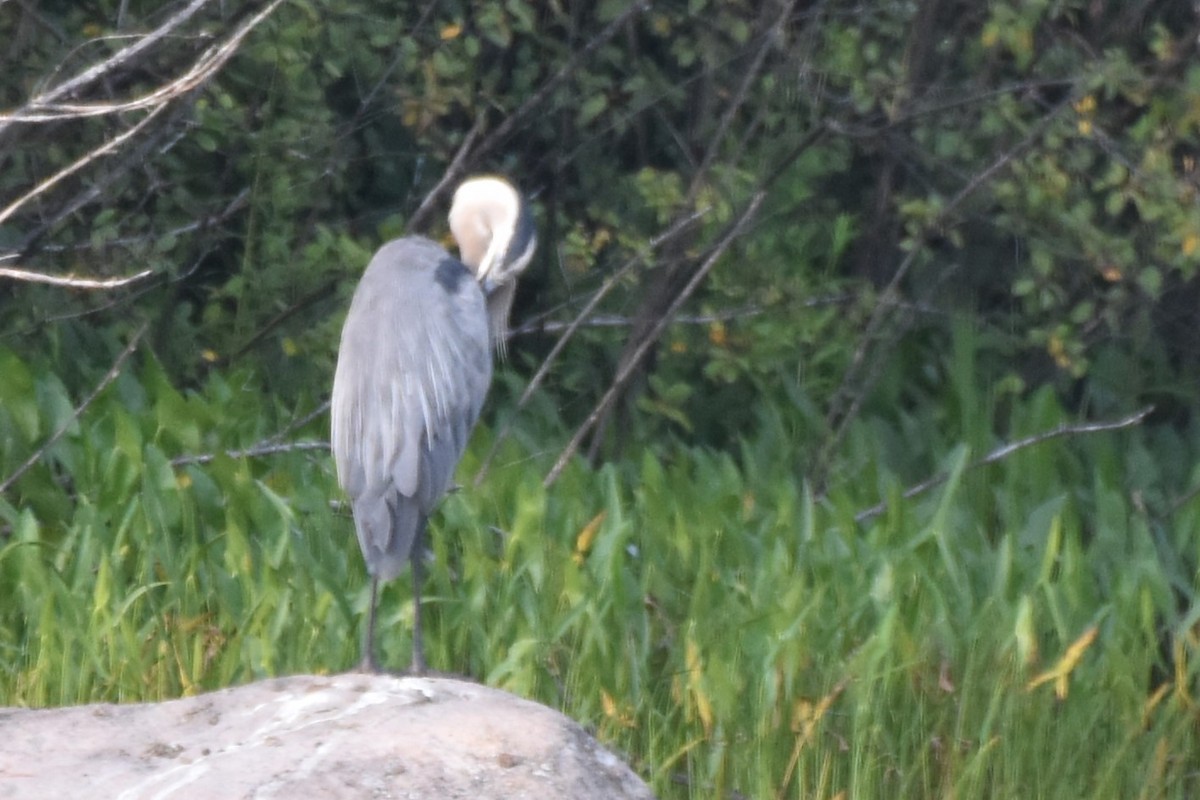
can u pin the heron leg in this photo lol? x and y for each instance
(368, 663)
(415, 556)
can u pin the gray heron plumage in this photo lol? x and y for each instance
(413, 369)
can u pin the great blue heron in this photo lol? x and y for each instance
(413, 370)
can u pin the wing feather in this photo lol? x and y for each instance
(413, 370)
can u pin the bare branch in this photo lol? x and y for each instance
(1001, 453)
(300, 423)
(108, 378)
(618, 321)
(653, 335)
(71, 282)
(258, 451)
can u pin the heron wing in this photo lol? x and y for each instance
(413, 370)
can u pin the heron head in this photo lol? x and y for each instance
(492, 225)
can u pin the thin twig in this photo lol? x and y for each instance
(296, 425)
(256, 451)
(619, 321)
(108, 378)
(1001, 453)
(627, 371)
(417, 220)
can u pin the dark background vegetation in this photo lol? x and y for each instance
(1024, 169)
(785, 229)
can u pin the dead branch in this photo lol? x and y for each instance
(1003, 452)
(618, 321)
(108, 378)
(70, 281)
(624, 374)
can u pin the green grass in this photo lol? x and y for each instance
(702, 612)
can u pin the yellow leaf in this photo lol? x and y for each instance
(695, 672)
(1152, 702)
(289, 347)
(451, 31)
(1179, 655)
(1058, 351)
(583, 542)
(802, 714)
(610, 705)
(1190, 243)
(1060, 673)
(806, 717)
(1023, 42)
(1086, 104)
(717, 335)
(209, 355)
(613, 712)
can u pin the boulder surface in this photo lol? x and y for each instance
(342, 736)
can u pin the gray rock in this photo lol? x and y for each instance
(343, 736)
